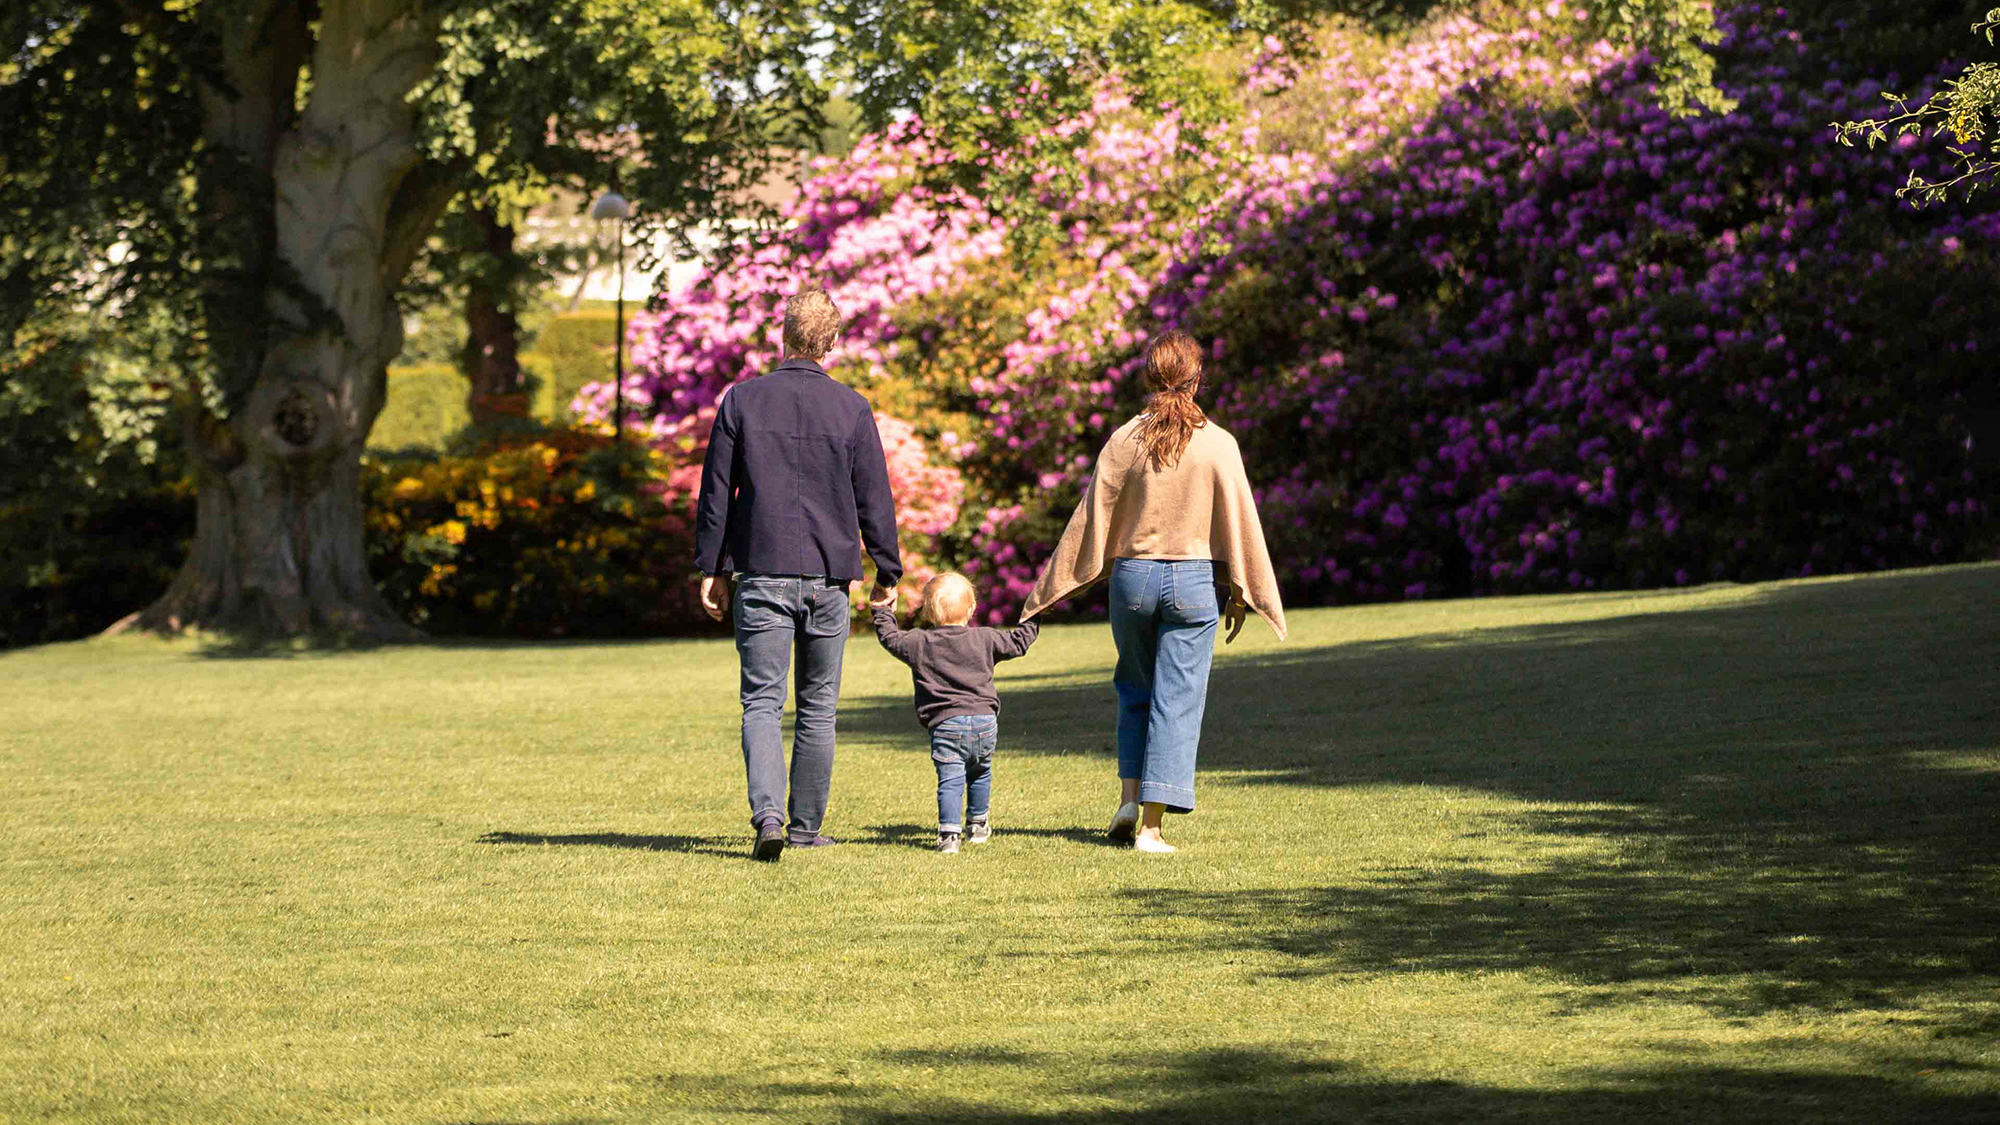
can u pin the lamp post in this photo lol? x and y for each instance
(611, 205)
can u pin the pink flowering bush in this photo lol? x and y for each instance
(927, 503)
(871, 242)
(1483, 317)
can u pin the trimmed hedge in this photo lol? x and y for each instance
(426, 404)
(572, 351)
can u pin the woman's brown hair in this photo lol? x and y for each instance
(1173, 375)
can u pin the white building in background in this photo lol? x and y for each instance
(561, 223)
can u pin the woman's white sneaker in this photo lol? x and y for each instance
(1152, 844)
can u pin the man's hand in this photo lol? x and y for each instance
(882, 597)
(714, 595)
(1233, 617)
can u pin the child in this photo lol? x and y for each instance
(952, 667)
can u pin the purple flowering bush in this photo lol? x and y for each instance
(1608, 348)
(1483, 317)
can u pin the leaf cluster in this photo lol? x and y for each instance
(97, 165)
(1967, 108)
(681, 104)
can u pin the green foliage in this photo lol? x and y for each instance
(434, 332)
(93, 512)
(684, 98)
(1676, 33)
(842, 129)
(102, 149)
(681, 103)
(1967, 108)
(70, 573)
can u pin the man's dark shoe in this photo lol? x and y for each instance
(770, 842)
(811, 842)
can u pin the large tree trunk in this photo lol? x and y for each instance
(278, 545)
(497, 393)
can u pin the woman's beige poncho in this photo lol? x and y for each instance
(1199, 508)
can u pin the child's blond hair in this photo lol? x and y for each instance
(948, 599)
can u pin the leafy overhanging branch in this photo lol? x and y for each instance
(1967, 107)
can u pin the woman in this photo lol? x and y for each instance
(1170, 518)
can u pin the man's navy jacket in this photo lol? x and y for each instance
(794, 467)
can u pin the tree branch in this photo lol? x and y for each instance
(419, 202)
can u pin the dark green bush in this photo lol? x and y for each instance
(79, 572)
(93, 518)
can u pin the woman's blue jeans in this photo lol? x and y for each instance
(1163, 618)
(962, 750)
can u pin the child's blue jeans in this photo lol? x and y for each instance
(962, 750)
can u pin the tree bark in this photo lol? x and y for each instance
(497, 393)
(278, 545)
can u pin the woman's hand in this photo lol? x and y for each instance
(882, 597)
(1233, 617)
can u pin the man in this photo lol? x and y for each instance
(794, 466)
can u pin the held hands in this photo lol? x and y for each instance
(1233, 618)
(714, 596)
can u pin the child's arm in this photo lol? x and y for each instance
(1010, 643)
(899, 642)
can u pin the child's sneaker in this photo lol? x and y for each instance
(978, 832)
(947, 843)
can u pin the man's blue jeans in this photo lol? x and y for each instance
(783, 621)
(1163, 618)
(962, 750)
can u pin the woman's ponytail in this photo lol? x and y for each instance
(1173, 374)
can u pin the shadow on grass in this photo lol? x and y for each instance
(987, 1055)
(726, 846)
(1790, 801)
(1257, 1086)
(228, 646)
(924, 836)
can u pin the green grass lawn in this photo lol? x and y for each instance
(1721, 855)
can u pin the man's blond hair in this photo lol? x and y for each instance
(812, 322)
(948, 599)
